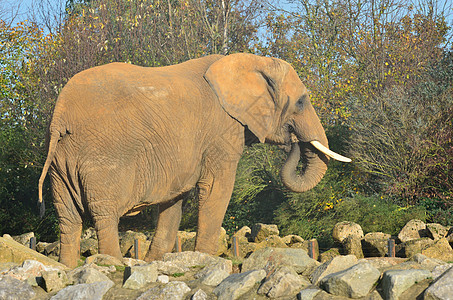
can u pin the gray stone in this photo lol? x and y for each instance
(41, 246)
(104, 259)
(426, 262)
(329, 254)
(189, 259)
(138, 276)
(88, 247)
(236, 285)
(199, 295)
(14, 289)
(308, 294)
(441, 288)
(292, 239)
(261, 231)
(375, 244)
(214, 273)
(85, 291)
(282, 282)
(354, 282)
(414, 229)
(344, 229)
(86, 275)
(54, 280)
(52, 249)
(127, 242)
(163, 279)
(24, 239)
(245, 231)
(441, 249)
(169, 268)
(353, 245)
(439, 270)
(174, 290)
(336, 264)
(436, 231)
(129, 262)
(395, 282)
(30, 271)
(410, 248)
(297, 259)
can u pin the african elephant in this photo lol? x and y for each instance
(123, 137)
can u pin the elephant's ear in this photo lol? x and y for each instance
(248, 87)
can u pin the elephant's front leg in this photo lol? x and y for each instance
(214, 195)
(166, 229)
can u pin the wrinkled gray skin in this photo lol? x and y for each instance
(123, 137)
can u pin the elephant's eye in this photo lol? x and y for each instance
(300, 102)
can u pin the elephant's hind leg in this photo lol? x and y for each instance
(166, 229)
(70, 222)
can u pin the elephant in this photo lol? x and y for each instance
(123, 137)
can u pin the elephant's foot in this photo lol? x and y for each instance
(70, 244)
(107, 232)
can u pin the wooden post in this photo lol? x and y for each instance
(391, 248)
(235, 247)
(33, 243)
(178, 245)
(313, 249)
(136, 248)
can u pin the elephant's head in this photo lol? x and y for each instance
(266, 95)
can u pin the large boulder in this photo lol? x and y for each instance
(138, 276)
(54, 280)
(12, 251)
(297, 259)
(336, 264)
(414, 229)
(281, 282)
(92, 291)
(441, 249)
(188, 241)
(273, 241)
(395, 282)
(436, 231)
(214, 273)
(329, 254)
(127, 243)
(412, 247)
(344, 229)
(441, 288)
(15, 289)
(237, 285)
(175, 290)
(261, 231)
(375, 244)
(104, 259)
(354, 282)
(24, 239)
(88, 247)
(352, 245)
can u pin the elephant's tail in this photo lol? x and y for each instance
(54, 137)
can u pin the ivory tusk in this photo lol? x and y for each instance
(329, 152)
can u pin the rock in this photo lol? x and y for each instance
(439, 270)
(353, 245)
(436, 231)
(127, 242)
(426, 262)
(89, 233)
(375, 244)
(86, 274)
(412, 247)
(24, 239)
(88, 247)
(344, 229)
(104, 259)
(31, 271)
(236, 285)
(441, 249)
(329, 254)
(52, 249)
(297, 259)
(223, 242)
(414, 229)
(214, 273)
(261, 231)
(354, 282)
(174, 290)
(245, 231)
(168, 267)
(92, 291)
(273, 241)
(395, 282)
(441, 288)
(54, 280)
(12, 251)
(282, 282)
(199, 295)
(308, 294)
(163, 279)
(189, 259)
(187, 240)
(41, 246)
(14, 289)
(450, 236)
(387, 263)
(138, 276)
(336, 264)
(292, 239)
(128, 261)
